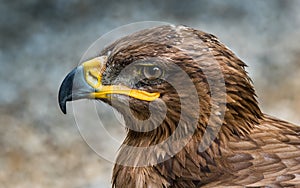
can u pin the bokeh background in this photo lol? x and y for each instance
(41, 41)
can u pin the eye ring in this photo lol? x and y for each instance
(152, 72)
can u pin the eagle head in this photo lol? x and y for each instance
(160, 76)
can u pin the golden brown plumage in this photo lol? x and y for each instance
(251, 149)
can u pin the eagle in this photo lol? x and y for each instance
(191, 113)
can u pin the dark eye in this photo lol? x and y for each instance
(152, 72)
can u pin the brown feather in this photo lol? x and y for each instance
(251, 150)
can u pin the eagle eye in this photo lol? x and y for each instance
(152, 72)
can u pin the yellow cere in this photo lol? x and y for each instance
(93, 70)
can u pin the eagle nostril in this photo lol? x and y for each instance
(93, 79)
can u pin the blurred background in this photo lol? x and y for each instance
(41, 41)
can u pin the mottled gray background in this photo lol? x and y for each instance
(41, 41)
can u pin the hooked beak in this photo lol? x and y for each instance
(85, 81)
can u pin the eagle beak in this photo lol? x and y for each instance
(85, 81)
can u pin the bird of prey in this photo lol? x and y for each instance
(243, 147)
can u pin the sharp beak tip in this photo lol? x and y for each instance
(63, 106)
(65, 91)
(62, 101)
